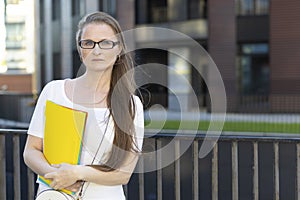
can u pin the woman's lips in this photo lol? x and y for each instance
(97, 59)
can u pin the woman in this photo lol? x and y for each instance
(105, 91)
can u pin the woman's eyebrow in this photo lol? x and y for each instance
(100, 40)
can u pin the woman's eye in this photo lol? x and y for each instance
(89, 43)
(106, 42)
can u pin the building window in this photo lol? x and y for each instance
(12, 1)
(197, 9)
(75, 8)
(179, 79)
(108, 6)
(160, 11)
(15, 35)
(252, 7)
(41, 10)
(254, 70)
(18, 40)
(55, 9)
(152, 93)
(16, 46)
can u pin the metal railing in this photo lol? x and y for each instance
(14, 154)
(235, 141)
(233, 144)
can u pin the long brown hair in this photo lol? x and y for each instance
(120, 100)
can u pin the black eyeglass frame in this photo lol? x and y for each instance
(99, 44)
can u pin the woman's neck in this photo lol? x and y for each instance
(90, 89)
(96, 81)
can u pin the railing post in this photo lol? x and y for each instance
(255, 171)
(31, 182)
(298, 171)
(276, 178)
(195, 170)
(159, 169)
(141, 178)
(215, 173)
(2, 168)
(16, 166)
(177, 169)
(235, 171)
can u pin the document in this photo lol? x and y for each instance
(64, 130)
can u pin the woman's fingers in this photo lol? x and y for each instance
(75, 187)
(50, 175)
(63, 176)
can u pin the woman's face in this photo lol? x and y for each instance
(98, 59)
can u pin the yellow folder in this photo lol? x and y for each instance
(64, 129)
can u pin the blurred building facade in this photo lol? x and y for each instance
(253, 43)
(17, 56)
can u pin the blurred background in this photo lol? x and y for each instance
(252, 42)
(255, 45)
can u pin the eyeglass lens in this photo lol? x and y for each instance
(90, 44)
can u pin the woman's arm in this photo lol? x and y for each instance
(67, 174)
(116, 177)
(34, 157)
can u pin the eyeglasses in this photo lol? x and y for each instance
(104, 44)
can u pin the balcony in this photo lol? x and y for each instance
(256, 166)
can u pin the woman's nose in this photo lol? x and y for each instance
(97, 50)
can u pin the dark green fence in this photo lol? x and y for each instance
(238, 167)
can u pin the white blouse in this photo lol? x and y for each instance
(93, 136)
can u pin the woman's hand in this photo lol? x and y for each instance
(65, 176)
(75, 187)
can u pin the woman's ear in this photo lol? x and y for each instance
(119, 52)
(119, 48)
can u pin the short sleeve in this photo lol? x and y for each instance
(37, 123)
(139, 123)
